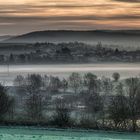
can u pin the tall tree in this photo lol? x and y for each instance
(118, 108)
(64, 84)
(62, 113)
(54, 84)
(75, 82)
(90, 81)
(133, 93)
(5, 102)
(106, 90)
(94, 106)
(34, 104)
(116, 76)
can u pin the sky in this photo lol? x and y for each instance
(22, 16)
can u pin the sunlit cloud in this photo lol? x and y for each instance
(68, 14)
(129, 1)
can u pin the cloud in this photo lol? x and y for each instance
(72, 14)
(128, 1)
(24, 19)
(65, 6)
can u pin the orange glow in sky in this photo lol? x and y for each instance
(20, 16)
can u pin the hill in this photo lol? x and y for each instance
(6, 37)
(129, 38)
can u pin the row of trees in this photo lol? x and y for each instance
(65, 52)
(101, 102)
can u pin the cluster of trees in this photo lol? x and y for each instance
(101, 102)
(6, 103)
(65, 52)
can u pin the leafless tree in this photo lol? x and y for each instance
(62, 113)
(5, 102)
(93, 103)
(64, 84)
(19, 81)
(54, 84)
(34, 102)
(106, 90)
(133, 93)
(119, 108)
(75, 82)
(90, 81)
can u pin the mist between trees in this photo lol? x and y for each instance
(77, 102)
(73, 52)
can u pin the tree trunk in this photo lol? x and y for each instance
(134, 124)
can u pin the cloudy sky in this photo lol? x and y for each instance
(21, 16)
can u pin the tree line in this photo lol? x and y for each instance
(74, 52)
(82, 101)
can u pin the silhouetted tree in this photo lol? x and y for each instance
(106, 90)
(75, 82)
(116, 76)
(133, 93)
(94, 106)
(64, 84)
(5, 102)
(54, 84)
(62, 113)
(19, 81)
(118, 108)
(11, 58)
(22, 58)
(90, 81)
(34, 103)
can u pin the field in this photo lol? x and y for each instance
(52, 134)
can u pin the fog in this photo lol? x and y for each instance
(8, 73)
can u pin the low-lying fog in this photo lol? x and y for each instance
(8, 73)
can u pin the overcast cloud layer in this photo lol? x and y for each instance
(21, 16)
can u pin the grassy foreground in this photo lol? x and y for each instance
(31, 133)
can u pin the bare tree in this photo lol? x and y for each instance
(5, 102)
(34, 107)
(12, 109)
(19, 81)
(64, 84)
(62, 113)
(106, 90)
(35, 81)
(106, 86)
(133, 93)
(46, 81)
(118, 108)
(90, 81)
(93, 103)
(75, 82)
(54, 84)
(34, 103)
